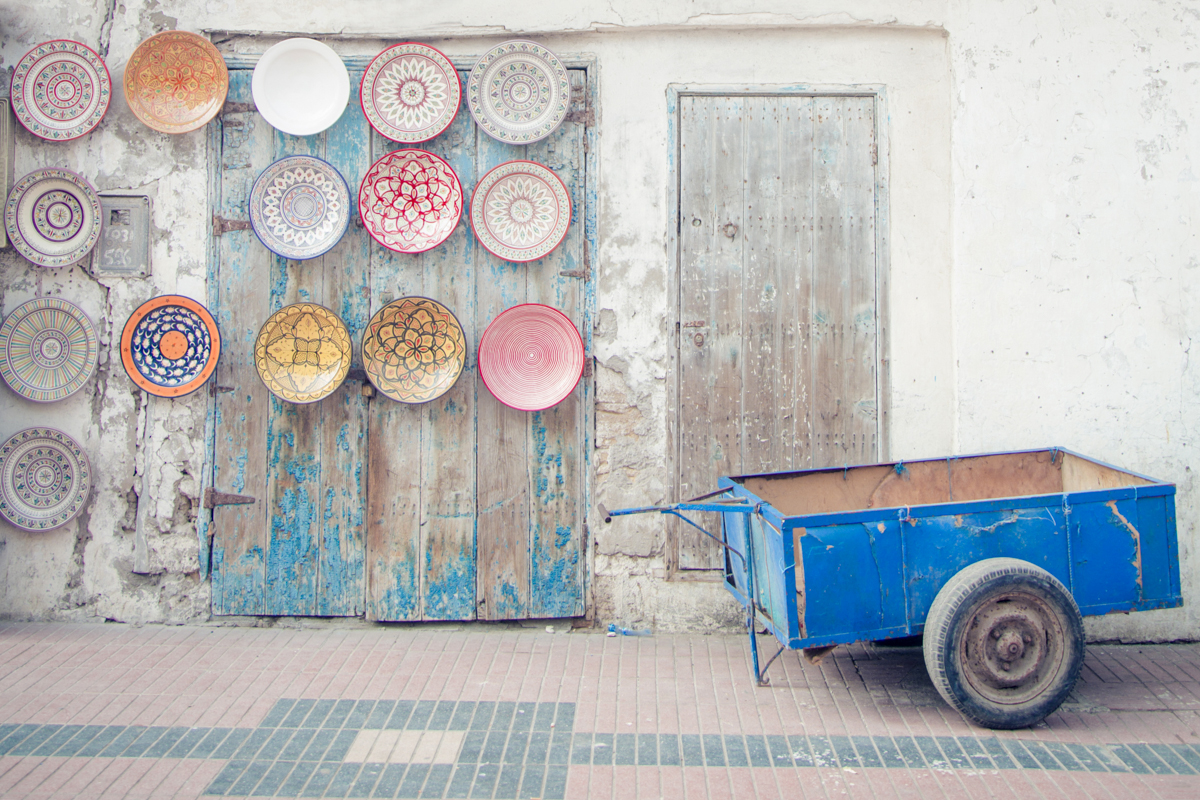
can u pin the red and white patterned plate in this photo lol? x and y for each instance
(410, 93)
(518, 92)
(410, 201)
(520, 211)
(60, 90)
(531, 357)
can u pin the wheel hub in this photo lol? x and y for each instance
(1010, 648)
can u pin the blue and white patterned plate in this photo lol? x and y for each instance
(300, 207)
(45, 479)
(170, 346)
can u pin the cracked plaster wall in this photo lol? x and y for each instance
(1041, 199)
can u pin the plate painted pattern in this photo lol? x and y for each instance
(520, 211)
(410, 93)
(300, 86)
(170, 345)
(45, 479)
(300, 207)
(176, 81)
(518, 92)
(410, 201)
(531, 357)
(414, 350)
(48, 349)
(61, 90)
(303, 353)
(53, 217)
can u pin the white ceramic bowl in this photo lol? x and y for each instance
(301, 86)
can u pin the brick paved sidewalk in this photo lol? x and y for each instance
(100, 711)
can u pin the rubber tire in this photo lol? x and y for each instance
(970, 593)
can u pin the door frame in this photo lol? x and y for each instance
(883, 389)
(254, 46)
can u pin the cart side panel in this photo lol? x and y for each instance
(774, 587)
(937, 547)
(853, 581)
(1160, 552)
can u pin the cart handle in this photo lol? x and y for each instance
(735, 504)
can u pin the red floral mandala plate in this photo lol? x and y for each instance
(410, 92)
(531, 357)
(176, 81)
(414, 350)
(410, 201)
(520, 211)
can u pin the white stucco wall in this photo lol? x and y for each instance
(1040, 209)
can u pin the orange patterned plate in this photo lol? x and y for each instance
(303, 353)
(414, 350)
(176, 81)
(170, 345)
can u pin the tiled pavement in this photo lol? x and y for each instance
(339, 710)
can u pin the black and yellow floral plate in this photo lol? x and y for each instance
(414, 350)
(303, 353)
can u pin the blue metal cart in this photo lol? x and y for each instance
(993, 558)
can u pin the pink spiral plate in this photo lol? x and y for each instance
(531, 357)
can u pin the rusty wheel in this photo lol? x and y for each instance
(1004, 643)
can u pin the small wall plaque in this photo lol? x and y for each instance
(124, 247)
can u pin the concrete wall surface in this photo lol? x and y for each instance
(1041, 206)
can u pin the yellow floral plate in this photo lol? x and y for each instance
(414, 350)
(303, 353)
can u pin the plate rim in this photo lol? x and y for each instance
(345, 225)
(83, 496)
(476, 196)
(367, 367)
(343, 371)
(93, 346)
(475, 78)
(12, 223)
(210, 365)
(394, 154)
(154, 123)
(362, 95)
(19, 104)
(483, 339)
(272, 54)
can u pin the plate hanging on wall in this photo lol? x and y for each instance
(53, 217)
(520, 211)
(300, 207)
(170, 345)
(60, 90)
(410, 201)
(531, 357)
(518, 92)
(303, 353)
(300, 86)
(410, 93)
(176, 81)
(48, 349)
(414, 350)
(45, 479)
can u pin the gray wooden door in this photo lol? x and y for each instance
(456, 509)
(778, 359)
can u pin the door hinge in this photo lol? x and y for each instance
(238, 108)
(214, 390)
(587, 366)
(583, 115)
(213, 498)
(586, 272)
(222, 226)
(874, 154)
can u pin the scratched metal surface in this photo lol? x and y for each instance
(455, 509)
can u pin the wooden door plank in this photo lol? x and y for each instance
(711, 273)
(343, 445)
(556, 494)
(239, 539)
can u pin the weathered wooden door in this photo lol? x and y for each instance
(778, 350)
(456, 509)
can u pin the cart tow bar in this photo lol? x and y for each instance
(736, 505)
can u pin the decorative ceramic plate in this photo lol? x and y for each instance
(520, 211)
(410, 201)
(53, 217)
(531, 357)
(300, 207)
(300, 86)
(414, 350)
(60, 90)
(45, 479)
(176, 81)
(410, 93)
(303, 353)
(518, 92)
(48, 349)
(170, 345)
